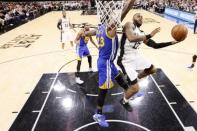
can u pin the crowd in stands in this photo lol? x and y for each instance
(159, 5)
(13, 14)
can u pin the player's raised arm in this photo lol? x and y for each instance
(90, 33)
(128, 5)
(59, 24)
(155, 45)
(78, 37)
(129, 28)
(92, 41)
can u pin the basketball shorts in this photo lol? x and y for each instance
(82, 51)
(66, 37)
(107, 72)
(132, 63)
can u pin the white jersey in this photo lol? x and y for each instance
(133, 46)
(127, 48)
(65, 24)
(130, 59)
(67, 35)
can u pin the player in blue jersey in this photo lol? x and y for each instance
(82, 50)
(108, 73)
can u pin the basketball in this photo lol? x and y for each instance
(179, 32)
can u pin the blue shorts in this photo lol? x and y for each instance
(82, 51)
(107, 72)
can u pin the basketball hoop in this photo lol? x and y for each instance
(109, 11)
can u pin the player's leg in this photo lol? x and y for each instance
(129, 91)
(131, 76)
(70, 37)
(71, 43)
(79, 60)
(64, 40)
(104, 85)
(63, 45)
(87, 53)
(90, 62)
(147, 71)
(193, 61)
(143, 65)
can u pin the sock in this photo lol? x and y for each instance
(125, 100)
(99, 111)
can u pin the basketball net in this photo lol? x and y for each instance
(109, 12)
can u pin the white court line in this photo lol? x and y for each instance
(161, 85)
(52, 85)
(91, 94)
(117, 121)
(58, 97)
(71, 90)
(173, 103)
(115, 94)
(177, 117)
(36, 111)
(150, 92)
(45, 92)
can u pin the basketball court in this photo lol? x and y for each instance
(38, 89)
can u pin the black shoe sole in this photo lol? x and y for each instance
(127, 107)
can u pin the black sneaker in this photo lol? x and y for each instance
(191, 67)
(127, 106)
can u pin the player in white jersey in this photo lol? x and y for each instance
(130, 60)
(64, 25)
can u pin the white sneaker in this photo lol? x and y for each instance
(90, 70)
(190, 68)
(78, 80)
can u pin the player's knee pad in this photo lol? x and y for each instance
(131, 83)
(101, 98)
(194, 58)
(150, 70)
(120, 80)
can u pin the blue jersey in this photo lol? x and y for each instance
(107, 46)
(82, 49)
(84, 41)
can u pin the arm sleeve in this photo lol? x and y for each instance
(153, 44)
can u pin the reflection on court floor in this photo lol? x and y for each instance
(59, 104)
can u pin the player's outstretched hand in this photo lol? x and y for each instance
(175, 42)
(155, 31)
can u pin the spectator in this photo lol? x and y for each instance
(13, 14)
(159, 5)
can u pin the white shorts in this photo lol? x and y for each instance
(133, 63)
(66, 37)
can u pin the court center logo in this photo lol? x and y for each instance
(21, 41)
